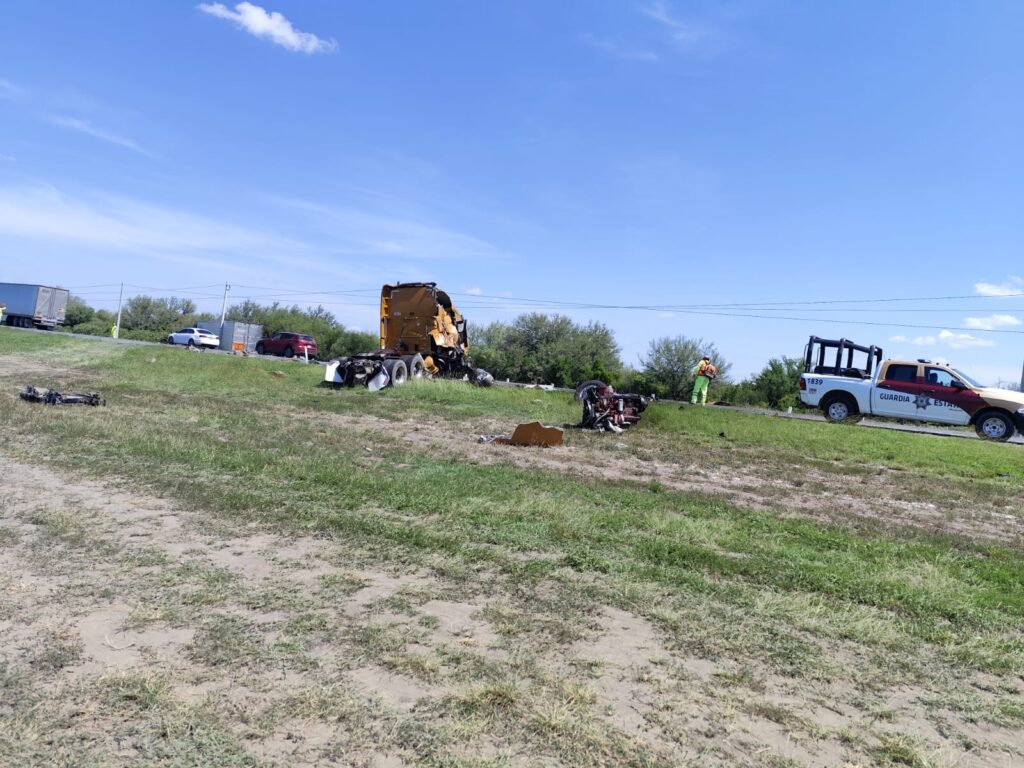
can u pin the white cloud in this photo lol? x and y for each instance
(84, 126)
(923, 341)
(273, 26)
(9, 90)
(105, 223)
(682, 32)
(991, 322)
(474, 291)
(946, 337)
(1014, 286)
(361, 233)
(617, 50)
(963, 340)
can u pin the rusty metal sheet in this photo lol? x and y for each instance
(533, 433)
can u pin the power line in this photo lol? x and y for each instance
(738, 310)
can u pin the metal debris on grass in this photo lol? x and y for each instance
(530, 433)
(606, 410)
(53, 397)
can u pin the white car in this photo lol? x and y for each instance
(194, 337)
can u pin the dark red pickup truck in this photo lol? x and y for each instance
(287, 344)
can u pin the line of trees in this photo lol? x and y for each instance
(146, 318)
(552, 349)
(532, 348)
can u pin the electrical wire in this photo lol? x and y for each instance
(749, 310)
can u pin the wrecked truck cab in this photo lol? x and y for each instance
(422, 334)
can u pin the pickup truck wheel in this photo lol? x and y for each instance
(994, 426)
(260, 349)
(840, 408)
(397, 371)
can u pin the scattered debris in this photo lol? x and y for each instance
(481, 378)
(530, 433)
(606, 410)
(53, 397)
(277, 374)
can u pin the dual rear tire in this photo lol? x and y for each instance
(397, 371)
(401, 369)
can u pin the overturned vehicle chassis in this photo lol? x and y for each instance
(606, 410)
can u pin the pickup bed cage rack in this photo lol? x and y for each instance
(817, 348)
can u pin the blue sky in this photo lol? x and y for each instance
(645, 154)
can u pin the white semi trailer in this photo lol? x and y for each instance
(33, 306)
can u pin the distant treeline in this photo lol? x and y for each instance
(150, 319)
(533, 348)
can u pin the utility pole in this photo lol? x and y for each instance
(1022, 378)
(224, 308)
(117, 325)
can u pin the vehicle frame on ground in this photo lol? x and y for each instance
(287, 344)
(194, 336)
(917, 390)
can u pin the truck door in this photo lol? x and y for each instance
(895, 393)
(949, 399)
(44, 305)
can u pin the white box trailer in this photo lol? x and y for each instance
(240, 336)
(33, 306)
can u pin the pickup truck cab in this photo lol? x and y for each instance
(917, 390)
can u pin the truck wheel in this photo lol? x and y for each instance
(414, 366)
(397, 371)
(289, 352)
(170, 340)
(994, 426)
(260, 349)
(839, 408)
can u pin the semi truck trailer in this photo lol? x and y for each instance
(33, 306)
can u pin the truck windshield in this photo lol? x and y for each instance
(968, 379)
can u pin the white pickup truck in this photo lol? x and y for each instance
(919, 390)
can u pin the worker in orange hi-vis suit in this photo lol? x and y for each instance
(703, 374)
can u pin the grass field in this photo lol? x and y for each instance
(226, 566)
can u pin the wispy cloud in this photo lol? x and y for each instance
(360, 232)
(474, 291)
(1014, 286)
(963, 340)
(991, 322)
(682, 32)
(917, 341)
(947, 338)
(9, 90)
(617, 50)
(106, 223)
(270, 25)
(84, 126)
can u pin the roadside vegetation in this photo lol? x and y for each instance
(350, 576)
(534, 348)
